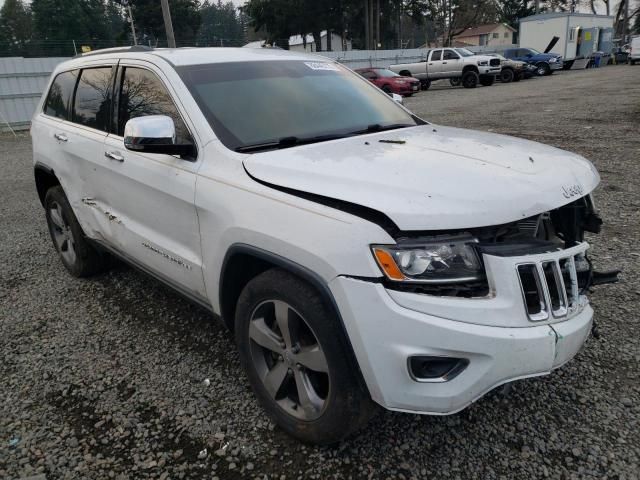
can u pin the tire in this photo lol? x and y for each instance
(507, 76)
(337, 402)
(78, 256)
(387, 89)
(425, 84)
(518, 77)
(470, 79)
(487, 80)
(455, 82)
(543, 69)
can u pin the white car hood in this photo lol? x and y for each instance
(435, 177)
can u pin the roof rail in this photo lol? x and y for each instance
(133, 48)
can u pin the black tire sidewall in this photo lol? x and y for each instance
(510, 77)
(470, 79)
(347, 407)
(88, 261)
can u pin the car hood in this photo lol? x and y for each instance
(432, 177)
(546, 56)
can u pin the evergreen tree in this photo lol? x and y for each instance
(149, 22)
(15, 26)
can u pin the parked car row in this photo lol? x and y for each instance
(462, 67)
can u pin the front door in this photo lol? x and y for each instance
(434, 65)
(147, 200)
(451, 63)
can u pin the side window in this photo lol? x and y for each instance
(58, 100)
(450, 55)
(369, 75)
(141, 94)
(92, 102)
(436, 55)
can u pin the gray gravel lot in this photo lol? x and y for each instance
(103, 378)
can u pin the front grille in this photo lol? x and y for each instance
(550, 287)
(494, 62)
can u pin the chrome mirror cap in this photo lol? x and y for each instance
(155, 130)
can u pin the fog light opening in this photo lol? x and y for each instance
(424, 368)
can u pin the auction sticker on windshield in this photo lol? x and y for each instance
(321, 66)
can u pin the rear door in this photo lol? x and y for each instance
(434, 65)
(147, 200)
(75, 118)
(451, 63)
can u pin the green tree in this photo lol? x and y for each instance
(221, 25)
(15, 26)
(149, 23)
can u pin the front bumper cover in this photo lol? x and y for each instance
(384, 334)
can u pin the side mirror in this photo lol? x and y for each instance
(397, 98)
(154, 134)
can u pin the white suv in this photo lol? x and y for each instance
(361, 255)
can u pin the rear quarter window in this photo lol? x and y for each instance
(59, 97)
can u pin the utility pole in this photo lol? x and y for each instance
(133, 29)
(367, 34)
(625, 23)
(377, 24)
(168, 26)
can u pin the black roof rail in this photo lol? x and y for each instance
(133, 48)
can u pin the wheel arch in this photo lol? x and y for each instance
(45, 178)
(243, 262)
(405, 73)
(467, 68)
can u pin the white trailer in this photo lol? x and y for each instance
(580, 35)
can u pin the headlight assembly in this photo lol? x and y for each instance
(553, 60)
(483, 63)
(441, 260)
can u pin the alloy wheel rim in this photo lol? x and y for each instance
(62, 234)
(289, 360)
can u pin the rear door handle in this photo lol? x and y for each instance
(61, 136)
(114, 156)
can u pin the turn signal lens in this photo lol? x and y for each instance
(388, 265)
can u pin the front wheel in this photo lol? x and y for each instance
(298, 361)
(543, 69)
(470, 79)
(507, 75)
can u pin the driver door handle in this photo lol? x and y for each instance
(61, 137)
(114, 156)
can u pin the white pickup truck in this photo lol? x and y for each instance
(452, 63)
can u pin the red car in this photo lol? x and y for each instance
(390, 81)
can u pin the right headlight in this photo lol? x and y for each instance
(441, 260)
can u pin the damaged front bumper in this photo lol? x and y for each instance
(384, 335)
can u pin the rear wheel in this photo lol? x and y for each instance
(487, 80)
(425, 84)
(455, 82)
(507, 76)
(470, 79)
(387, 89)
(78, 256)
(297, 359)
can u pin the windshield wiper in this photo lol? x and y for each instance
(376, 127)
(286, 142)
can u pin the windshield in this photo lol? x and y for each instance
(464, 52)
(383, 72)
(533, 51)
(278, 104)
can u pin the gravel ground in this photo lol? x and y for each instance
(105, 378)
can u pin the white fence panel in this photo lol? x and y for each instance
(22, 81)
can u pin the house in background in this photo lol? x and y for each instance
(337, 44)
(495, 34)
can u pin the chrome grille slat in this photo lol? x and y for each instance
(555, 297)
